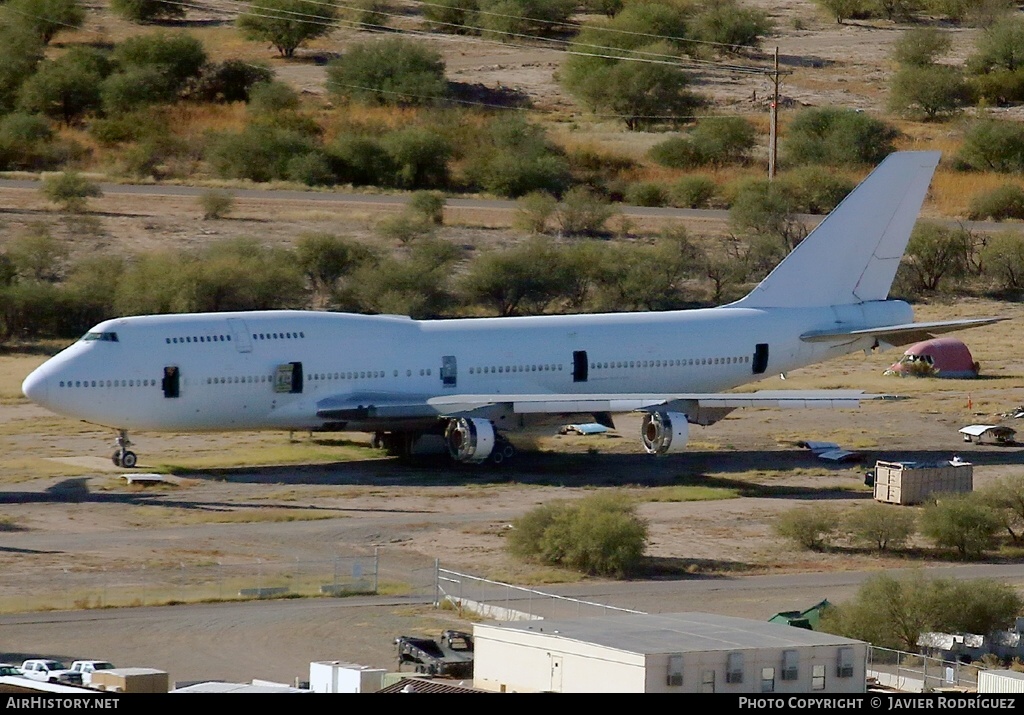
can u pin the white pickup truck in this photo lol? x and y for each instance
(87, 667)
(49, 671)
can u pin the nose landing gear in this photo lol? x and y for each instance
(123, 457)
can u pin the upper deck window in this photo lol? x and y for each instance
(109, 337)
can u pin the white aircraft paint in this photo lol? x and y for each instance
(471, 378)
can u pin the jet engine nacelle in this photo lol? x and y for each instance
(469, 439)
(664, 432)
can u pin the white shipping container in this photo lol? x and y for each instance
(1000, 681)
(334, 676)
(914, 483)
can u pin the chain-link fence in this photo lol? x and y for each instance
(910, 672)
(506, 602)
(69, 588)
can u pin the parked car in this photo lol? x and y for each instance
(88, 667)
(9, 669)
(50, 671)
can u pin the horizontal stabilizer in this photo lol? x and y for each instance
(901, 334)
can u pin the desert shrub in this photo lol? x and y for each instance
(455, 16)
(179, 57)
(935, 256)
(392, 71)
(36, 254)
(842, 9)
(1003, 258)
(68, 87)
(69, 190)
(326, 259)
(731, 24)
(405, 227)
(272, 96)
(135, 89)
(229, 81)
(599, 535)
(147, 10)
(892, 613)
(25, 142)
(765, 212)
(368, 14)
(646, 194)
(361, 160)
(429, 205)
(693, 192)
(921, 46)
(1004, 202)
(43, 18)
(416, 284)
(930, 92)
(1005, 496)
(258, 153)
(811, 527)
(717, 141)
(22, 53)
(962, 522)
(839, 137)
(311, 169)
(505, 19)
(882, 526)
(814, 189)
(534, 210)
(216, 203)
(516, 159)
(287, 24)
(419, 158)
(992, 145)
(583, 213)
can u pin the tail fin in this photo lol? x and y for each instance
(852, 255)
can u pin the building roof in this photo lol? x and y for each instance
(674, 632)
(424, 685)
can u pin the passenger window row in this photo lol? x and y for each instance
(616, 364)
(514, 368)
(199, 339)
(108, 383)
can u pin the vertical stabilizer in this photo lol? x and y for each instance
(852, 255)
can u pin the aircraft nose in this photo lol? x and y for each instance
(36, 386)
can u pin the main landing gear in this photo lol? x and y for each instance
(123, 457)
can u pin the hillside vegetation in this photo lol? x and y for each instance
(647, 102)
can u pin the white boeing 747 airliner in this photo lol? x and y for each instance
(469, 380)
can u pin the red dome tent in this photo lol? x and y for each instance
(941, 357)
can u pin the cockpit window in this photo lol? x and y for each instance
(109, 337)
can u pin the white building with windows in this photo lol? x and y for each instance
(664, 653)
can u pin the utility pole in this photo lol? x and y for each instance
(773, 132)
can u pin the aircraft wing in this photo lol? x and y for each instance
(383, 406)
(570, 403)
(905, 334)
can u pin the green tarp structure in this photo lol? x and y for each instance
(808, 619)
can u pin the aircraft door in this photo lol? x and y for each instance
(171, 383)
(760, 363)
(288, 378)
(240, 335)
(579, 366)
(449, 371)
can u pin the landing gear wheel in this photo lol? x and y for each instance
(123, 457)
(509, 451)
(497, 457)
